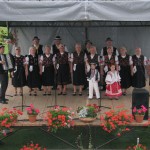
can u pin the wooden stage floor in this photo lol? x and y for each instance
(42, 102)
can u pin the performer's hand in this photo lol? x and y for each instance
(12, 74)
(2, 62)
(26, 74)
(40, 72)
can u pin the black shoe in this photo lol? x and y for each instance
(80, 94)
(60, 93)
(124, 93)
(6, 99)
(64, 93)
(74, 93)
(49, 94)
(44, 94)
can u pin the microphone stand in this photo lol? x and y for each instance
(22, 95)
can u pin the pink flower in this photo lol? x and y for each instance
(32, 106)
(134, 109)
(139, 111)
(28, 109)
(30, 112)
(37, 111)
(144, 108)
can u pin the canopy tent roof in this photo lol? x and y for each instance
(13, 10)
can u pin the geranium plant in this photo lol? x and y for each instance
(59, 118)
(31, 110)
(8, 117)
(32, 146)
(116, 121)
(88, 111)
(140, 111)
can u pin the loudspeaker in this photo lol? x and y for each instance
(140, 97)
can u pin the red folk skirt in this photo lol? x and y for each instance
(113, 90)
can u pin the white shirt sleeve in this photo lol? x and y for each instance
(117, 53)
(66, 49)
(130, 60)
(88, 67)
(98, 59)
(51, 50)
(71, 57)
(108, 79)
(145, 61)
(27, 60)
(54, 59)
(102, 52)
(116, 60)
(85, 57)
(41, 59)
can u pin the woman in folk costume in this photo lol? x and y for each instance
(63, 69)
(139, 63)
(93, 77)
(18, 78)
(32, 71)
(113, 89)
(78, 59)
(125, 69)
(106, 62)
(47, 70)
(93, 57)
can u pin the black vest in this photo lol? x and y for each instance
(55, 49)
(89, 74)
(39, 51)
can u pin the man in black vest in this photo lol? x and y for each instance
(109, 43)
(57, 42)
(3, 75)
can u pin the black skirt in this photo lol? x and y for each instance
(138, 79)
(63, 74)
(48, 76)
(79, 75)
(125, 74)
(19, 79)
(33, 78)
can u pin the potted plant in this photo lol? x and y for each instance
(139, 113)
(32, 146)
(59, 118)
(88, 113)
(116, 121)
(8, 117)
(32, 113)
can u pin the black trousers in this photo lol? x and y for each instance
(4, 85)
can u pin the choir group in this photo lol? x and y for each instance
(112, 70)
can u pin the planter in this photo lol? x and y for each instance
(87, 120)
(139, 118)
(32, 118)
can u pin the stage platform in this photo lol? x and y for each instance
(41, 102)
